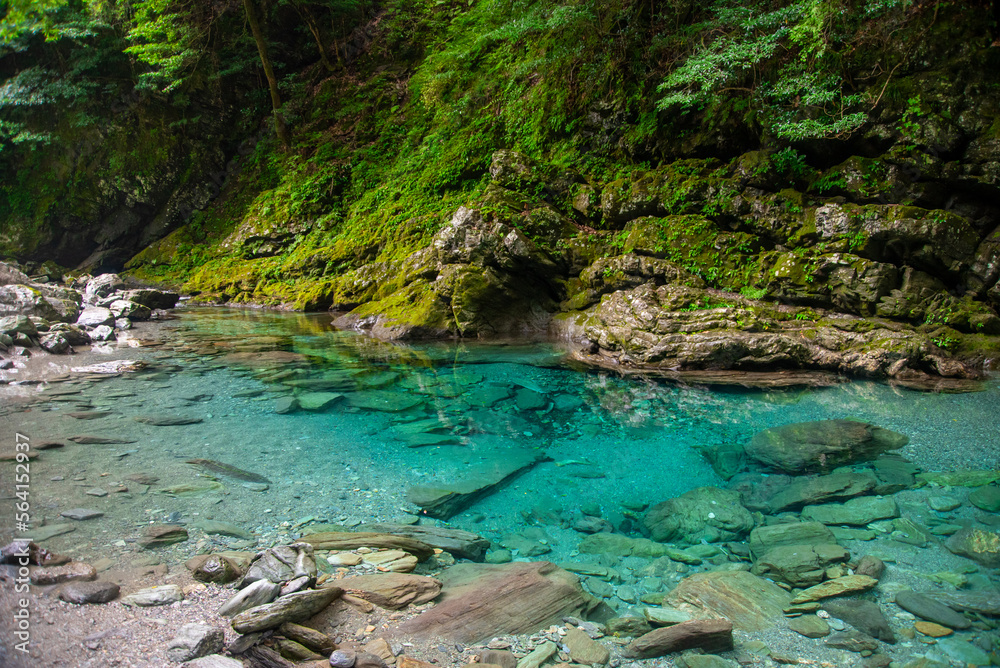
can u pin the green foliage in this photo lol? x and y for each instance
(790, 163)
(785, 60)
(753, 292)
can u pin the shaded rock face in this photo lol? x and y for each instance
(477, 278)
(821, 446)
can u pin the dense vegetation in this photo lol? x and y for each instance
(143, 131)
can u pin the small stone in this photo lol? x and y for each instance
(931, 629)
(930, 610)
(97, 491)
(89, 592)
(943, 504)
(809, 626)
(193, 641)
(157, 535)
(986, 498)
(153, 596)
(74, 570)
(343, 658)
(81, 514)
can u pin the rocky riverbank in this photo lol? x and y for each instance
(44, 315)
(824, 547)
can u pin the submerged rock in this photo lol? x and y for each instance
(751, 603)
(710, 635)
(821, 446)
(703, 514)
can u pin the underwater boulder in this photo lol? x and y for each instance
(809, 447)
(705, 514)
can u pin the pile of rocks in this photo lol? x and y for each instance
(37, 313)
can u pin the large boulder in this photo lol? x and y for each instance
(151, 298)
(703, 514)
(95, 316)
(19, 299)
(807, 447)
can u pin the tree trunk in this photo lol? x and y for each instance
(272, 82)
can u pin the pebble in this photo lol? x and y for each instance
(81, 513)
(97, 491)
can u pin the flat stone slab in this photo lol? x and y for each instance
(335, 540)
(447, 500)
(931, 610)
(49, 531)
(168, 420)
(317, 401)
(854, 512)
(461, 544)
(90, 439)
(392, 590)
(81, 514)
(849, 584)
(480, 601)
(750, 602)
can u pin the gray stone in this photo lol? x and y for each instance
(284, 405)
(702, 514)
(17, 324)
(101, 333)
(343, 658)
(122, 308)
(585, 650)
(865, 616)
(193, 641)
(101, 286)
(214, 661)
(43, 533)
(258, 593)
(89, 592)
(223, 529)
(54, 342)
(931, 610)
(855, 512)
(852, 641)
(817, 489)
(153, 596)
(94, 316)
(282, 563)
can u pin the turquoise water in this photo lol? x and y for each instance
(458, 410)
